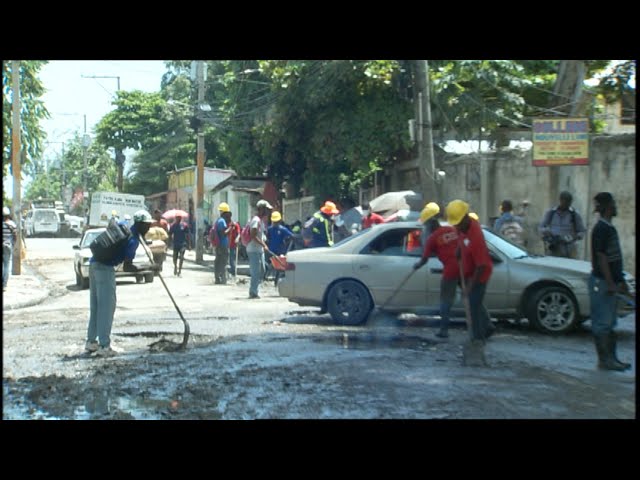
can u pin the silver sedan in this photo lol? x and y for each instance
(364, 270)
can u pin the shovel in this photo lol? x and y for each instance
(473, 350)
(167, 345)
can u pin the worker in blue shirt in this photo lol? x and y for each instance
(102, 288)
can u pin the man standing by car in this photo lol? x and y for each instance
(443, 241)
(561, 228)
(257, 246)
(476, 263)
(180, 235)
(102, 288)
(318, 230)
(605, 281)
(369, 218)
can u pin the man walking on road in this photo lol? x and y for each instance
(605, 281)
(102, 288)
(9, 239)
(443, 241)
(257, 246)
(180, 234)
(221, 230)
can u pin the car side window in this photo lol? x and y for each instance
(399, 242)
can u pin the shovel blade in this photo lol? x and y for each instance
(473, 354)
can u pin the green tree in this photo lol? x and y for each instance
(32, 112)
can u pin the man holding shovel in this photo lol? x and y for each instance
(476, 267)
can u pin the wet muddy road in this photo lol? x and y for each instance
(268, 358)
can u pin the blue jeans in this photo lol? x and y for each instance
(604, 315)
(7, 255)
(102, 302)
(479, 317)
(256, 267)
(447, 296)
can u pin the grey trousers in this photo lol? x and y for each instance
(102, 302)
(220, 265)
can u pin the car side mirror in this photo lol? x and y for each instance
(76, 247)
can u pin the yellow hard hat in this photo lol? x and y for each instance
(430, 210)
(329, 208)
(475, 216)
(276, 217)
(456, 210)
(224, 207)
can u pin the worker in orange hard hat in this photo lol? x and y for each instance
(318, 230)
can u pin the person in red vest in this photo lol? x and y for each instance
(369, 218)
(443, 241)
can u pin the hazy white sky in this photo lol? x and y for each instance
(70, 97)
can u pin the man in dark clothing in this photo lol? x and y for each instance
(180, 234)
(561, 228)
(477, 265)
(369, 218)
(443, 241)
(605, 281)
(319, 229)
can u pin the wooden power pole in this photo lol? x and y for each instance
(16, 150)
(199, 167)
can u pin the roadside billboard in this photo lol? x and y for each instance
(560, 141)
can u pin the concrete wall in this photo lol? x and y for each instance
(511, 175)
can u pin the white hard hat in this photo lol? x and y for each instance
(127, 216)
(6, 211)
(142, 216)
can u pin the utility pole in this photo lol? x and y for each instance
(200, 166)
(426, 158)
(86, 141)
(15, 159)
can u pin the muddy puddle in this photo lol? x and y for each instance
(368, 341)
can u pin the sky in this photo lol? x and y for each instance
(70, 97)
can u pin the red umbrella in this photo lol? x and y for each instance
(173, 213)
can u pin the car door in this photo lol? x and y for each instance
(385, 263)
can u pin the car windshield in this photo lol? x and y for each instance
(510, 249)
(349, 238)
(89, 237)
(45, 216)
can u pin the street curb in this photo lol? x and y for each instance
(27, 303)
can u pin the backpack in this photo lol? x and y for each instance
(512, 231)
(107, 245)
(214, 238)
(245, 234)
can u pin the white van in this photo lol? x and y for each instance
(45, 221)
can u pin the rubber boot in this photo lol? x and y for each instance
(612, 339)
(606, 360)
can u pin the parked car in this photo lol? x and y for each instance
(83, 255)
(45, 221)
(350, 278)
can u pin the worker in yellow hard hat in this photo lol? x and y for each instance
(443, 241)
(477, 266)
(220, 240)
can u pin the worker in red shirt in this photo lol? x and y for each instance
(369, 218)
(476, 263)
(443, 241)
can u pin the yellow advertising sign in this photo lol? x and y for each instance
(560, 141)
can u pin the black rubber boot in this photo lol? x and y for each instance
(606, 360)
(612, 340)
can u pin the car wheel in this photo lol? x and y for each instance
(148, 277)
(349, 303)
(552, 310)
(85, 283)
(139, 278)
(78, 279)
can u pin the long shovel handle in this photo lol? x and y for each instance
(185, 337)
(465, 298)
(406, 279)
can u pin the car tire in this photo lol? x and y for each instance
(85, 283)
(139, 278)
(148, 277)
(349, 302)
(78, 279)
(552, 310)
